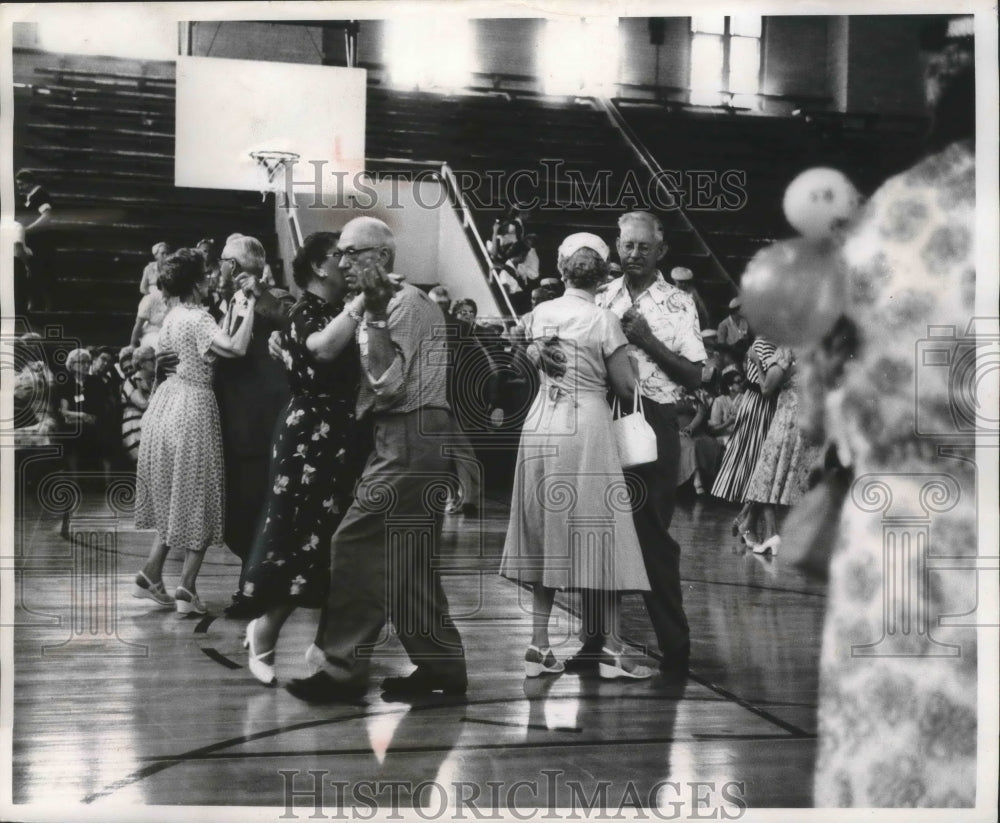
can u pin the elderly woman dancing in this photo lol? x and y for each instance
(317, 457)
(179, 472)
(568, 455)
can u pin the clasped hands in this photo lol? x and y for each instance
(375, 288)
(636, 328)
(249, 284)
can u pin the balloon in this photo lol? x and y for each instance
(818, 201)
(794, 290)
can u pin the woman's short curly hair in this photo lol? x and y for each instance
(76, 356)
(584, 269)
(314, 250)
(181, 272)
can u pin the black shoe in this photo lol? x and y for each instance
(242, 608)
(470, 510)
(674, 670)
(321, 688)
(420, 682)
(584, 661)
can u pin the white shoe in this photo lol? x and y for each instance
(188, 605)
(143, 587)
(315, 659)
(541, 661)
(264, 672)
(613, 666)
(769, 546)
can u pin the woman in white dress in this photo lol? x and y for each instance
(571, 522)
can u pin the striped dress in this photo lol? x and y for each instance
(132, 415)
(753, 419)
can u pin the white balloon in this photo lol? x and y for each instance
(818, 201)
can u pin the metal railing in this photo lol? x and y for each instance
(443, 171)
(455, 191)
(656, 173)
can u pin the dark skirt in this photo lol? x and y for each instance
(319, 451)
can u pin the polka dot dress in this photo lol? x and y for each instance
(179, 474)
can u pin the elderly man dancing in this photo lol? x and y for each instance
(383, 553)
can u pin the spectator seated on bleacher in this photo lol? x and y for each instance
(540, 295)
(150, 315)
(83, 404)
(440, 295)
(151, 274)
(683, 278)
(36, 413)
(734, 333)
(715, 362)
(515, 262)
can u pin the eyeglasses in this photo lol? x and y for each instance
(227, 259)
(351, 253)
(642, 248)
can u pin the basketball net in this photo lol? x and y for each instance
(270, 162)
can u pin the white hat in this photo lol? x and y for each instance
(681, 273)
(583, 240)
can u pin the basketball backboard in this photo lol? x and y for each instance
(227, 109)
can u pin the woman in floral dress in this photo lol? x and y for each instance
(784, 462)
(898, 694)
(317, 457)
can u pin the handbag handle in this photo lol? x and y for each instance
(637, 407)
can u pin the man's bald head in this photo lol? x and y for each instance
(364, 232)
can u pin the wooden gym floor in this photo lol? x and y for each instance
(118, 703)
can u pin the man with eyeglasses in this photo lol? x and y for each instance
(384, 551)
(251, 392)
(661, 323)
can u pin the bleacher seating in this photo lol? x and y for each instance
(552, 138)
(102, 142)
(771, 151)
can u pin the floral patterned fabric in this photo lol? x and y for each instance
(317, 457)
(897, 710)
(785, 459)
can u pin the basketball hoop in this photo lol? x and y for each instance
(270, 162)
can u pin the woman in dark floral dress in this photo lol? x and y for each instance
(318, 454)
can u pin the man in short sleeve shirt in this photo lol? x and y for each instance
(661, 323)
(383, 554)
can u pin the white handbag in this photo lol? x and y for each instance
(636, 438)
